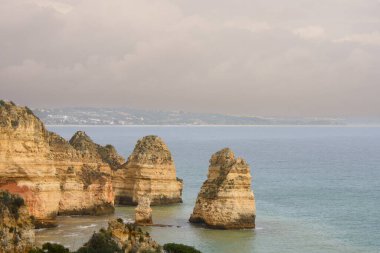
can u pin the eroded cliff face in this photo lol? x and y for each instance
(52, 175)
(16, 228)
(226, 200)
(149, 170)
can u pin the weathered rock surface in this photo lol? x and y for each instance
(108, 154)
(16, 228)
(226, 200)
(143, 212)
(149, 170)
(132, 239)
(52, 175)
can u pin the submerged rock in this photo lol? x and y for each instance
(149, 170)
(16, 228)
(52, 175)
(226, 200)
(143, 212)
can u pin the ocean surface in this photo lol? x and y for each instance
(317, 189)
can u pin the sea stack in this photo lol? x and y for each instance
(52, 175)
(149, 170)
(226, 200)
(143, 212)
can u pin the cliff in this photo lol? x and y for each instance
(52, 175)
(226, 200)
(149, 170)
(16, 228)
(108, 154)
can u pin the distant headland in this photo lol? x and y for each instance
(127, 116)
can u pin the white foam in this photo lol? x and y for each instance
(87, 226)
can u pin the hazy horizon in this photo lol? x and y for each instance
(259, 58)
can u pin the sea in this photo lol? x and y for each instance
(317, 188)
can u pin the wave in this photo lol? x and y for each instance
(87, 226)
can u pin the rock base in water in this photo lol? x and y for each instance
(143, 212)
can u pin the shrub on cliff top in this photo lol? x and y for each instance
(179, 248)
(12, 202)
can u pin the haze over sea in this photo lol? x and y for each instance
(317, 189)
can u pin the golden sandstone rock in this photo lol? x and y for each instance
(55, 176)
(51, 175)
(143, 212)
(132, 239)
(149, 170)
(226, 200)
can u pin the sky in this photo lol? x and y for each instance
(294, 58)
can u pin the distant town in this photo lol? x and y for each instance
(128, 116)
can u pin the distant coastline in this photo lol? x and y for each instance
(138, 117)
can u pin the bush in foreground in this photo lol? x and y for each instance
(179, 248)
(100, 243)
(50, 248)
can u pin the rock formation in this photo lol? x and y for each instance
(226, 200)
(132, 239)
(52, 175)
(16, 228)
(108, 154)
(143, 212)
(149, 170)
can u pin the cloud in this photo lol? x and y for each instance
(363, 38)
(310, 32)
(58, 6)
(247, 57)
(248, 25)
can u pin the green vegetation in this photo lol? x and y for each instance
(179, 248)
(29, 111)
(50, 248)
(2, 102)
(12, 202)
(100, 242)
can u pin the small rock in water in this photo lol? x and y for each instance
(143, 212)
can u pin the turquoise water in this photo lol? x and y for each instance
(317, 188)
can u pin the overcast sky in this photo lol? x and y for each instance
(246, 57)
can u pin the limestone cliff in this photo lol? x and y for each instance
(52, 175)
(226, 200)
(82, 142)
(16, 228)
(149, 170)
